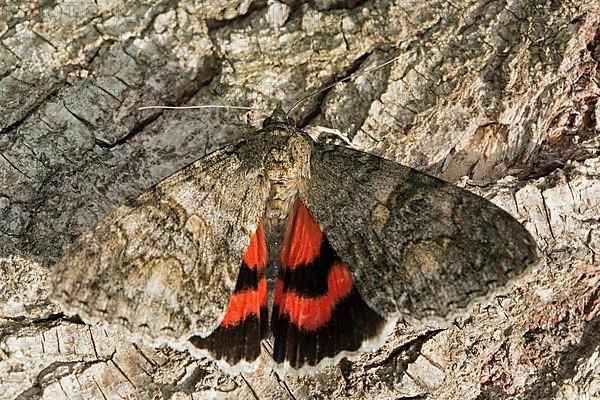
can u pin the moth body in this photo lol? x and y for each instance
(287, 167)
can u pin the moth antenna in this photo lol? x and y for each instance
(352, 76)
(198, 107)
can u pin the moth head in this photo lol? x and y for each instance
(279, 117)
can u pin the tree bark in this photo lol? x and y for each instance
(499, 97)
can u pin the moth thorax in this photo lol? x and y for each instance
(281, 199)
(287, 166)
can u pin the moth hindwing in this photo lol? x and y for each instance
(358, 242)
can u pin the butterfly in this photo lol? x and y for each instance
(358, 241)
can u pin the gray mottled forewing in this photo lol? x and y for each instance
(414, 243)
(166, 264)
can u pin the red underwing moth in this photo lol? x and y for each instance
(358, 242)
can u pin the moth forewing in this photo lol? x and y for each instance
(166, 264)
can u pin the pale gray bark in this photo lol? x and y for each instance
(482, 89)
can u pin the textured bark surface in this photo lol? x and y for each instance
(504, 93)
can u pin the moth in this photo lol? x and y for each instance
(358, 242)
